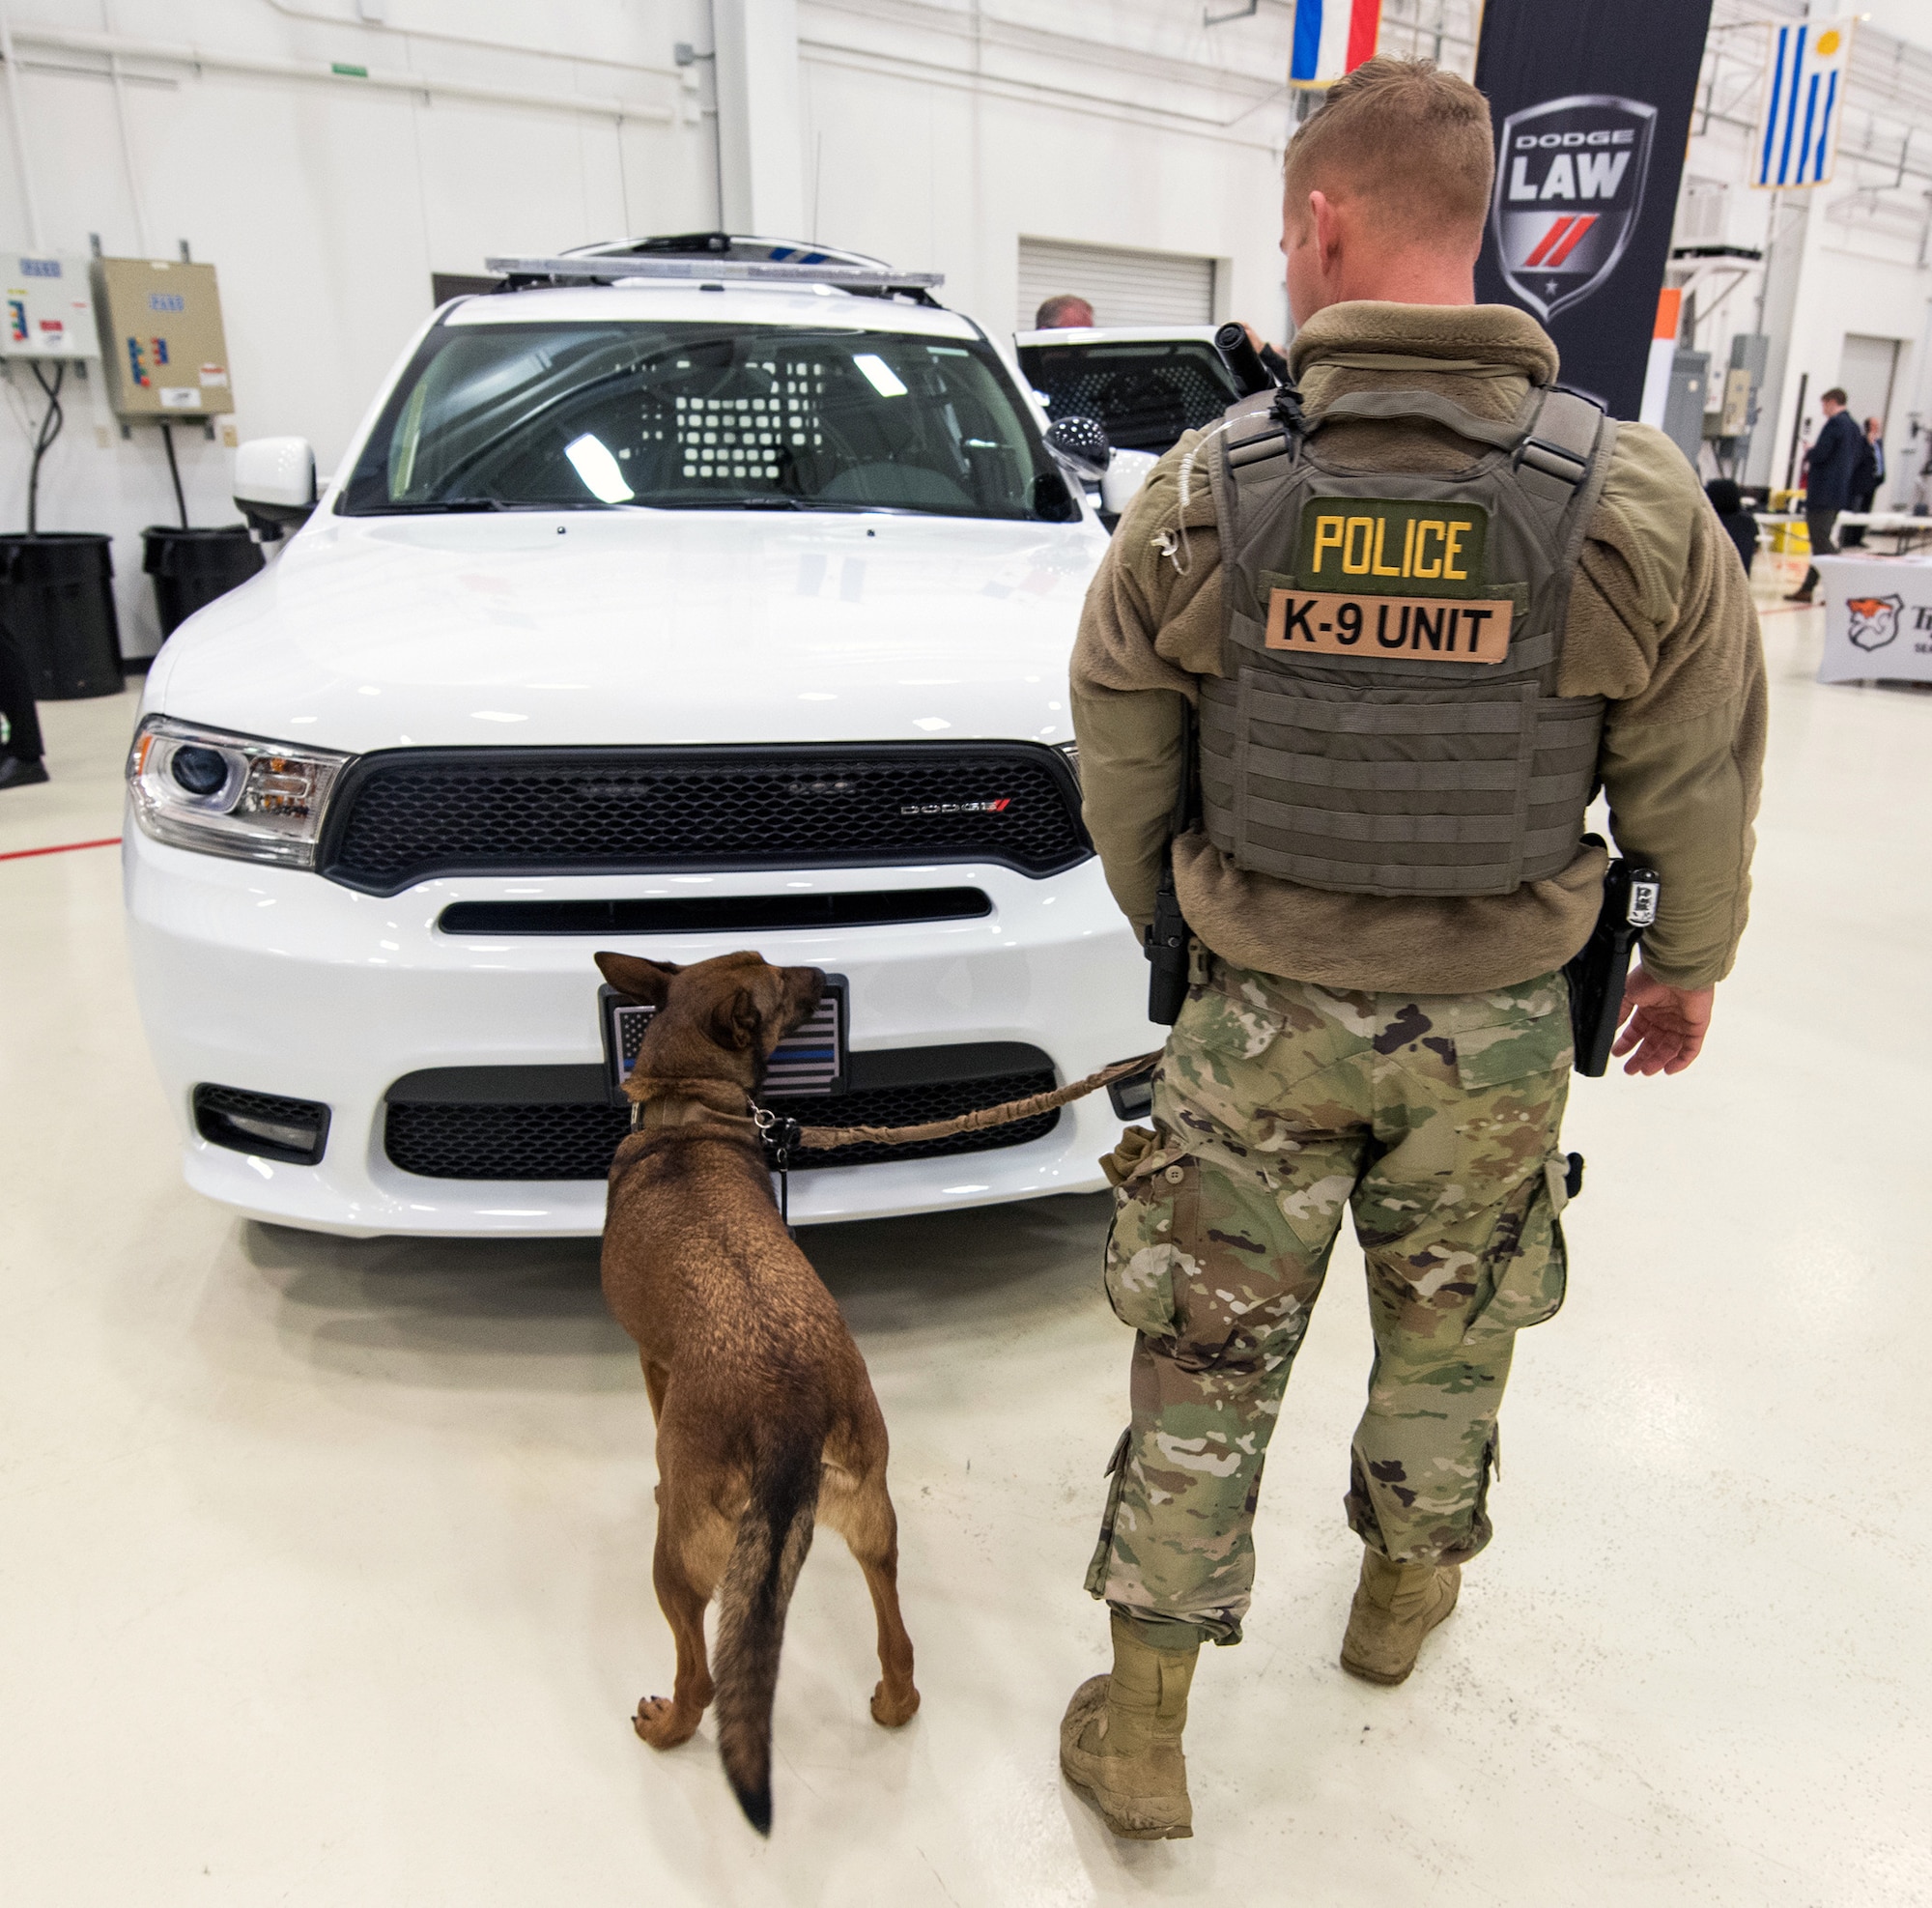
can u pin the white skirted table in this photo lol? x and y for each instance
(1878, 618)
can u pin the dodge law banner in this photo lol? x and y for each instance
(1592, 106)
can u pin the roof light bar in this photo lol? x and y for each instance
(607, 270)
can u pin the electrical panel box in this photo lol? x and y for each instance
(162, 348)
(1684, 408)
(49, 308)
(1739, 389)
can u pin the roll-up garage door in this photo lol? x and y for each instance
(1123, 287)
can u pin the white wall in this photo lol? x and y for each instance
(326, 202)
(932, 133)
(936, 136)
(1863, 246)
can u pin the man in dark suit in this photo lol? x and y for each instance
(1827, 489)
(1868, 474)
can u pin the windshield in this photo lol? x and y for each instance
(1146, 395)
(699, 416)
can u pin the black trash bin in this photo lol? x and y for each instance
(57, 599)
(193, 567)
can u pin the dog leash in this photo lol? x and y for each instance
(781, 1133)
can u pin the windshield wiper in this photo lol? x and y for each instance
(458, 504)
(449, 504)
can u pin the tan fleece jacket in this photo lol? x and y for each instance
(1660, 621)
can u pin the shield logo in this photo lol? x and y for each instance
(1874, 620)
(1570, 181)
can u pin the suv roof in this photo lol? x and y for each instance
(716, 257)
(1117, 334)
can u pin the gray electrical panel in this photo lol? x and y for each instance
(1751, 358)
(1684, 409)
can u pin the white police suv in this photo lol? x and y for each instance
(686, 595)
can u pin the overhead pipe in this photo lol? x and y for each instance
(448, 39)
(109, 46)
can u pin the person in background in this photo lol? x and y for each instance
(1828, 485)
(21, 761)
(1868, 474)
(1739, 526)
(1065, 311)
(1273, 361)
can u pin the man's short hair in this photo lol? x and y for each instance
(1833, 397)
(1065, 311)
(1413, 140)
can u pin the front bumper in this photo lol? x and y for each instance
(278, 981)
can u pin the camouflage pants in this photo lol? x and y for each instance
(1276, 1105)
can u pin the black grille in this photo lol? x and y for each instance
(398, 816)
(716, 913)
(220, 1113)
(488, 1140)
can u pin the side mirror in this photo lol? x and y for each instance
(275, 484)
(1126, 474)
(1081, 444)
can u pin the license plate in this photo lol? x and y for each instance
(808, 1063)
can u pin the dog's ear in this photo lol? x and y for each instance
(644, 981)
(736, 1021)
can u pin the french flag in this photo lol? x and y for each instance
(1331, 38)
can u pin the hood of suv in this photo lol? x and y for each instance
(642, 627)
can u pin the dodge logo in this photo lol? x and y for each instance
(1570, 183)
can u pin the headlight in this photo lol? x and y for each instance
(230, 794)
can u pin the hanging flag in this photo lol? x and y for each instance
(1331, 38)
(1803, 87)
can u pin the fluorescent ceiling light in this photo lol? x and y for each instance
(879, 374)
(599, 469)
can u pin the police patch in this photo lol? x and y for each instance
(1389, 546)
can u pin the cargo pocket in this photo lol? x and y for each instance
(1526, 1268)
(1103, 1550)
(1515, 1035)
(1156, 1212)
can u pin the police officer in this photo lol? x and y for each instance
(1357, 659)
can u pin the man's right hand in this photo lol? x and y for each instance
(1664, 1028)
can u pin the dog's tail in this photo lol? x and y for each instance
(774, 1535)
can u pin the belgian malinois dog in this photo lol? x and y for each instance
(765, 1416)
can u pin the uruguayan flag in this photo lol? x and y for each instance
(1804, 100)
(1331, 38)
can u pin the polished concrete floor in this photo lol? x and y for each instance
(324, 1566)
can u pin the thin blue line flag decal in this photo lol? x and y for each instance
(1804, 100)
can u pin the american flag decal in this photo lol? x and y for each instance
(809, 1061)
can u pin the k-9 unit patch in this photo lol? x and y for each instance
(1417, 629)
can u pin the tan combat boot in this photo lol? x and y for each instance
(1395, 1606)
(1120, 1742)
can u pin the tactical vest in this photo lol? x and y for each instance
(1387, 720)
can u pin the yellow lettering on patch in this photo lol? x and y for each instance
(1455, 533)
(1379, 567)
(1425, 528)
(1327, 536)
(1354, 565)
